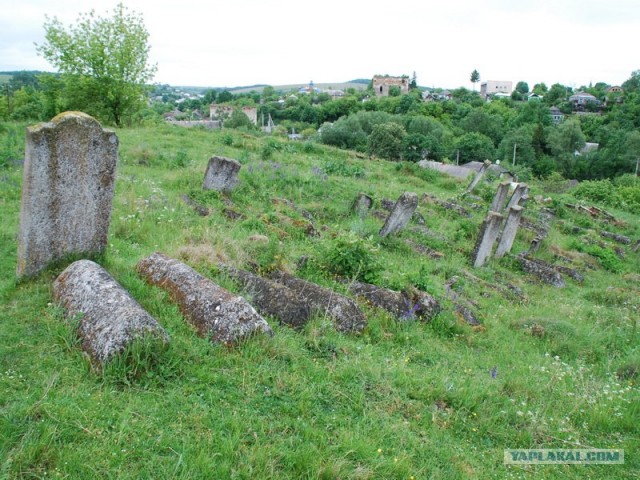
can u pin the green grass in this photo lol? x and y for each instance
(401, 400)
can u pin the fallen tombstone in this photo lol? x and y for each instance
(342, 310)
(216, 313)
(403, 305)
(616, 237)
(447, 205)
(400, 215)
(109, 319)
(221, 174)
(271, 298)
(424, 250)
(542, 271)
(200, 209)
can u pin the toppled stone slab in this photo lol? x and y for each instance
(271, 298)
(216, 313)
(68, 183)
(200, 209)
(542, 271)
(109, 318)
(424, 250)
(467, 315)
(616, 237)
(342, 310)
(401, 214)
(221, 174)
(447, 205)
(404, 305)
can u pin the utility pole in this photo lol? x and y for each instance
(515, 145)
(457, 157)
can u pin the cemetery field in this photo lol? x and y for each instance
(510, 362)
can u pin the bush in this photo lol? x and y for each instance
(386, 141)
(354, 257)
(601, 191)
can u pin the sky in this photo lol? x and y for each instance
(246, 42)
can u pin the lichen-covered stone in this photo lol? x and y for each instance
(542, 271)
(109, 318)
(403, 305)
(216, 313)
(400, 214)
(342, 310)
(271, 298)
(362, 204)
(67, 190)
(221, 174)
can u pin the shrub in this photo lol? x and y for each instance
(601, 191)
(351, 256)
(344, 169)
(386, 140)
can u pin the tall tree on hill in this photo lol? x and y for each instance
(414, 81)
(475, 78)
(104, 62)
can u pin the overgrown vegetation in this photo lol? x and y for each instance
(548, 368)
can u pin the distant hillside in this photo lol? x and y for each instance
(357, 84)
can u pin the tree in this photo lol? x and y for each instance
(104, 61)
(474, 146)
(414, 81)
(386, 141)
(475, 78)
(522, 87)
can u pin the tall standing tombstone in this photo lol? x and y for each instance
(67, 190)
(478, 176)
(401, 214)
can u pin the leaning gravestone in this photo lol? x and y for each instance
(216, 313)
(401, 214)
(489, 232)
(109, 319)
(362, 204)
(69, 175)
(509, 232)
(221, 174)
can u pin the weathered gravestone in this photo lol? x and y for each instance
(501, 195)
(362, 204)
(342, 310)
(522, 190)
(69, 174)
(488, 234)
(403, 305)
(271, 298)
(109, 319)
(221, 174)
(509, 232)
(216, 313)
(401, 214)
(478, 176)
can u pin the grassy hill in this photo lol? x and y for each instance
(547, 367)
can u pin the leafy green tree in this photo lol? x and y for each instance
(522, 87)
(414, 81)
(225, 96)
(522, 138)
(394, 91)
(386, 141)
(475, 78)
(540, 88)
(238, 119)
(106, 58)
(566, 138)
(482, 122)
(474, 146)
(556, 94)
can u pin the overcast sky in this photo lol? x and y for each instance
(246, 42)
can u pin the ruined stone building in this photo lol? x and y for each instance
(382, 84)
(222, 111)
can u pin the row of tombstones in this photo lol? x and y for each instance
(110, 319)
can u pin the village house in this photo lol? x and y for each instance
(491, 87)
(556, 115)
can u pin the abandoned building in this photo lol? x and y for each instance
(382, 84)
(221, 112)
